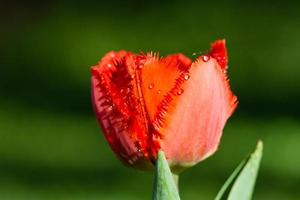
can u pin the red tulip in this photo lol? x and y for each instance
(144, 103)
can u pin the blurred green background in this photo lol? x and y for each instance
(50, 144)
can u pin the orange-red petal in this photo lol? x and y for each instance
(159, 79)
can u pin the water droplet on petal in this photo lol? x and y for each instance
(180, 91)
(132, 76)
(140, 66)
(194, 54)
(186, 76)
(109, 65)
(150, 86)
(110, 108)
(205, 58)
(158, 91)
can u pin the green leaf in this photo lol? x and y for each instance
(241, 182)
(230, 180)
(164, 185)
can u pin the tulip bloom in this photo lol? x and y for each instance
(144, 104)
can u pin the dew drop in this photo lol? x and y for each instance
(194, 54)
(132, 76)
(180, 91)
(110, 108)
(140, 66)
(186, 77)
(109, 65)
(205, 58)
(150, 86)
(158, 91)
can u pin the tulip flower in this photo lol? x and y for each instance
(145, 103)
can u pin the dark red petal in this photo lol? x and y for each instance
(118, 107)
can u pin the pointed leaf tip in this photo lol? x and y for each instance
(164, 186)
(242, 181)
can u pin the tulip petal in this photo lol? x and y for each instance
(160, 81)
(219, 52)
(199, 114)
(117, 106)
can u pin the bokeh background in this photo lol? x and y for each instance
(50, 144)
